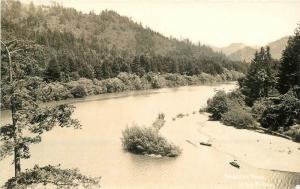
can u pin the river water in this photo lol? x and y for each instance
(97, 151)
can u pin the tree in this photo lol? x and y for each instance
(218, 105)
(136, 66)
(289, 72)
(52, 72)
(260, 78)
(283, 112)
(105, 71)
(77, 46)
(29, 122)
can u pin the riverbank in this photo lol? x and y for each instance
(56, 91)
(250, 148)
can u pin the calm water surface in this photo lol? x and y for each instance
(96, 149)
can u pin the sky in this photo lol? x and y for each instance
(211, 22)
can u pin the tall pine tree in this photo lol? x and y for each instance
(289, 72)
(260, 78)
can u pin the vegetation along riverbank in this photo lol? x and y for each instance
(268, 97)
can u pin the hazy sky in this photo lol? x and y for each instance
(214, 22)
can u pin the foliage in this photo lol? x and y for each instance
(260, 78)
(51, 176)
(29, 120)
(289, 73)
(273, 111)
(147, 140)
(79, 91)
(53, 70)
(239, 117)
(230, 109)
(259, 107)
(218, 105)
(283, 112)
(123, 82)
(294, 132)
(159, 122)
(104, 45)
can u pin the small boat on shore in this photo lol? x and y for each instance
(235, 164)
(205, 144)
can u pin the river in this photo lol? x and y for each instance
(97, 151)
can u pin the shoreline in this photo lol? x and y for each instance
(259, 150)
(249, 147)
(122, 94)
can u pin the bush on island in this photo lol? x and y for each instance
(147, 141)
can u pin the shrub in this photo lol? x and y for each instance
(79, 91)
(159, 122)
(259, 107)
(222, 103)
(230, 108)
(156, 80)
(294, 132)
(88, 84)
(218, 105)
(236, 98)
(180, 115)
(284, 112)
(55, 91)
(131, 81)
(147, 141)
(238, 117)
(114, 85)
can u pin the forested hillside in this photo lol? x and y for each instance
(72, 54)
(102, 45)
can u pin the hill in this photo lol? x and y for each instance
(103, 45)
(244, 54)
(247, 53)
(230, 48)
(278, 46)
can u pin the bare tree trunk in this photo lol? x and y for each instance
(17, 159)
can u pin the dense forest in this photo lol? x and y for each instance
(70, 51)
(103, 45)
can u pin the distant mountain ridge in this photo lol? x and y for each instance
(230, 48)
(242, 52)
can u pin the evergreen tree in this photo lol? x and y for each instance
(260, 78)
(52, 72)
(106, 71)
(136, 66)
(289, 72)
